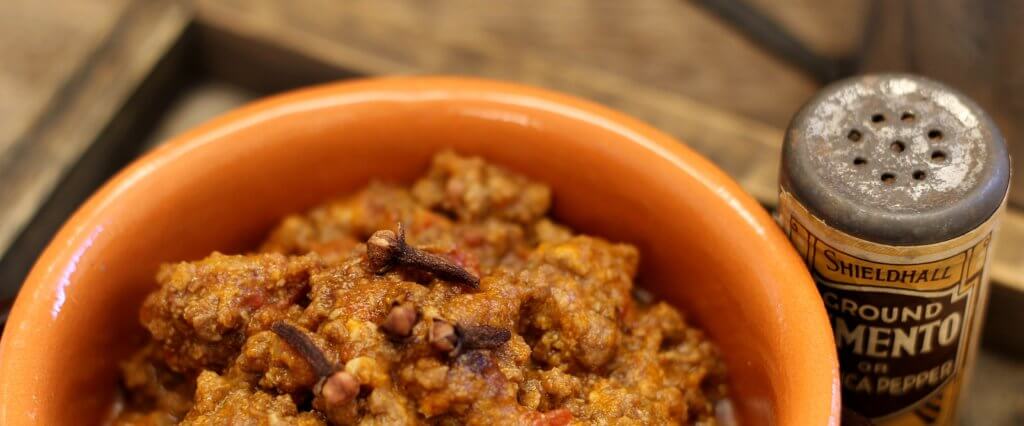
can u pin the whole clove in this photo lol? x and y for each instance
(457, 339)
(400, 320)
(482, 336)
(386, 249)
(337, 387)
(303, 344)
(443, 336)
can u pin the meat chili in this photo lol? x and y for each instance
(454, 301)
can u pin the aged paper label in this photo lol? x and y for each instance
(905, 318)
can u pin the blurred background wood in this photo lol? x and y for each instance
(43, 54)
(41, 51)
(976, 46)
(664, 45)
(62, 84)
(89, 85)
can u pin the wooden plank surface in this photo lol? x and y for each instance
(44, 43)
(834, 28)
(665, 45)
(996, 392)
(97, 66)
(356, 37)
(972, 45)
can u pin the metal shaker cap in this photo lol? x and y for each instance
(896, 159)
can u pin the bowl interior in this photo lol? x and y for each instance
(705, 246)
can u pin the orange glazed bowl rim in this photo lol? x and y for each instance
(806, 391)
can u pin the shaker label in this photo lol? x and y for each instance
(836, 266)
(902, 317)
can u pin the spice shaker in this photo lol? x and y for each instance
(890, 189)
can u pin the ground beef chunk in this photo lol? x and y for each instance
(471, 189)
(223, 401)
(200, 314)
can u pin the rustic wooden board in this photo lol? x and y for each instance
(43, 46)
(834, 28)
(666, 45)
(972, 45)
(363, 49)
(81, 106)
(995, 396)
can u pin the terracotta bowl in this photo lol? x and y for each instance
(706, 246)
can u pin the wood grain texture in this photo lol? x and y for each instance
(972, 45)
(194, 106)
(665, 45)
(995, 396)
(834, 28)
(82, 105)
(44, 42)
(357, 38)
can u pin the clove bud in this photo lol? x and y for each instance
(443, 336)
(400, 320)
(482, 336)
(303, 344)
(385, 249)
(457, 339)
(337, 387)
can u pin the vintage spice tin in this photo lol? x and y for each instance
(891, 187)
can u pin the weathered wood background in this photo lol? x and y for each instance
(79, 78)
